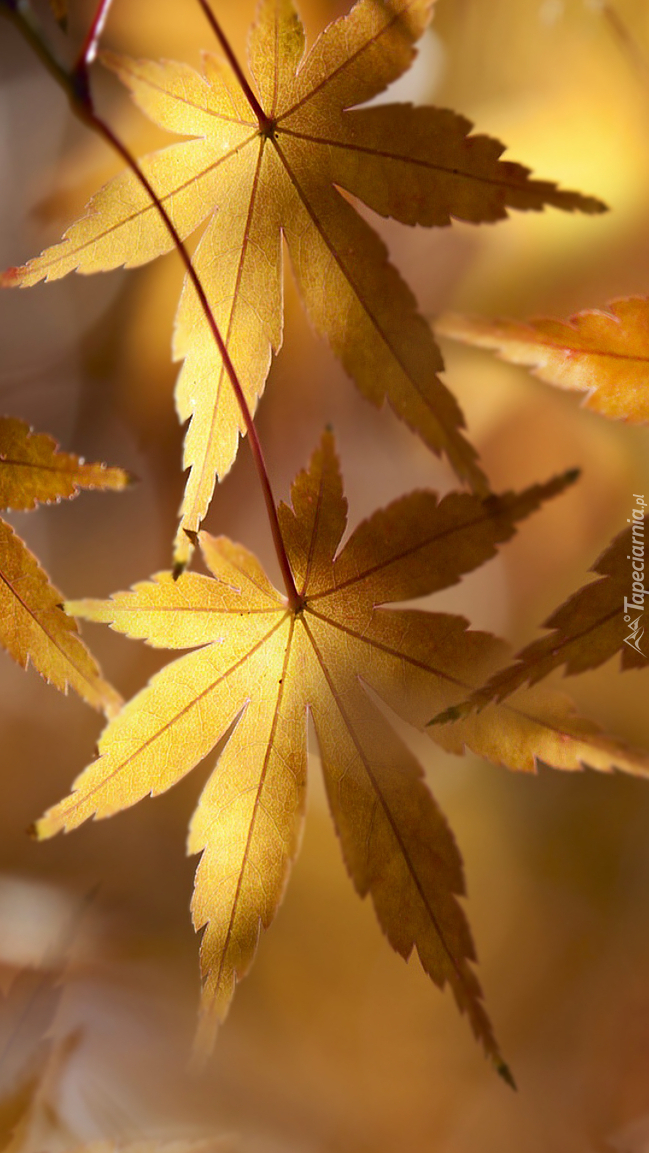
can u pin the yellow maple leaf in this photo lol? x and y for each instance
(33, 470)
(263, 664)
(33, 627)
(601, 352)
(271, 163)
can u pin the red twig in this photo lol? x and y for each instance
(104, 130)
(234, 64)
(89, 46)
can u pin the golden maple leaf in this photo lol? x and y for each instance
(270, 164)
(33, 628)
(601, 352)
(262, 665)
(599, 620)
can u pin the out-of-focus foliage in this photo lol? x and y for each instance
(33, 627)
(602, 353)
(27, 1010)
(36, 1049)
(60, 11)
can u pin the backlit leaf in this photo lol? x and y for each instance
(35, 630)
(256, 177)
(604, 354)
(601, 619)
(33, 469)
(262, 664)
(33, 627)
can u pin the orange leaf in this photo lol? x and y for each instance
(33, 627)
(35, 630)
(604, 354)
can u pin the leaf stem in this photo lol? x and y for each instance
(234, 64)
(77, 89)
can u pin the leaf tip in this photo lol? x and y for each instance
(503, 1070)
(205, 1037)
(594, 206)
(446, 716)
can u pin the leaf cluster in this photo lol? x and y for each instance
(284, 159)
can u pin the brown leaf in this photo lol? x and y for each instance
(601, 619)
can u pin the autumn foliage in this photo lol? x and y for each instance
(279, 164)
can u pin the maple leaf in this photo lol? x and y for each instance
(596, 622)
(33, 627)
(34, 470)
(601, 353)
(261, 665)
(273, 164)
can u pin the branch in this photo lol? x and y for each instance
(234, 64)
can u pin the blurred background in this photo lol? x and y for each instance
(333, 1044)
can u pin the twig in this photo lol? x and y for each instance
(89, 47)
(234, 64)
